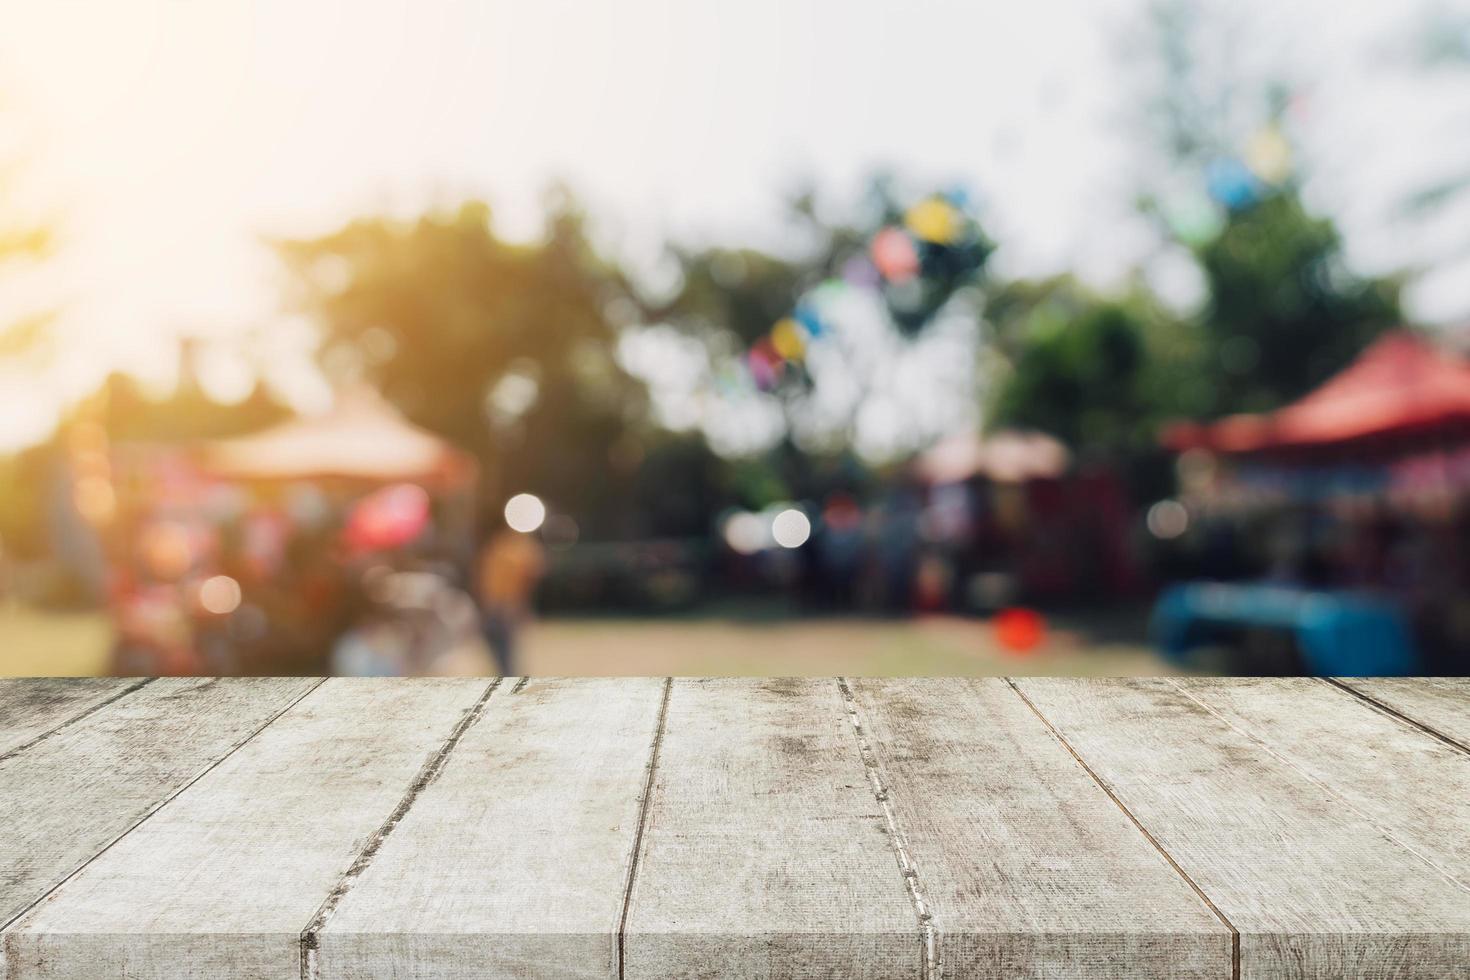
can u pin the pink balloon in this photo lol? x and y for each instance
(895, 256)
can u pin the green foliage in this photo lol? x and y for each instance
(1284, 313)
(438, 312)
(737, 293)
(1097, 373)
(187, 414)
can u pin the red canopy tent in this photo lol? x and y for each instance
(1399, 386)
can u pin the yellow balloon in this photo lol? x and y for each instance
(934, 220)
(1269, 155)
(787, 339)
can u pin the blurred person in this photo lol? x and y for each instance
(511, 565)
(837, 550)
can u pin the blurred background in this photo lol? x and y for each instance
(1089, 337)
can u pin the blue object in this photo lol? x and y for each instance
(1348, 634)
(1231, 183)
(807, 317)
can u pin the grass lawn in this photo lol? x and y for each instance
(35, 643)
(63, 644)
(938, 645)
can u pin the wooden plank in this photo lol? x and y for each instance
(32, 707)
(1413, 787)
(765, 852)
(221, 882)
(1441, 704)
(513, 862)
(72, 794)
(1027, 865)
(1314, 887)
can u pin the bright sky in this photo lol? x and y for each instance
(170, 135)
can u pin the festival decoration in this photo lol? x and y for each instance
(1268, 155)
(914, 263)
(895, 255)
(1231, 183)
(935, 220)
(788, 339)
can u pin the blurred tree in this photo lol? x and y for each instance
(25, 338)
(1439, 48)
(1099, 373)
(127, 413)
(506, 349)
(817, 332)
(1284, 313)
(26, 346)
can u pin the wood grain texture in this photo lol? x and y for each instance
(221, 881)
(1027, 865)
(30, 708)
(1315, 888)
(72, 794)
(1438, 703)
(513, 862)
(765, 853)
(758, 828)
(1413, 787)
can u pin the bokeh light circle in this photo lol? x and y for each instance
(791, 528)
(1167, 519)
(524, 512)
(219, 594)
(745, 533)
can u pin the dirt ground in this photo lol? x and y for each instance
(34, 643)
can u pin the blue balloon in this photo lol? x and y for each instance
(1231, 183)
(810, 322)
(958, 195)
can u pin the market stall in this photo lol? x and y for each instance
(1357, 495)
(257, 554)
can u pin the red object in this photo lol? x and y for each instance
(389, 518)
(1019, 630)
(1400, 384)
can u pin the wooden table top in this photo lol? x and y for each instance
(751, 828)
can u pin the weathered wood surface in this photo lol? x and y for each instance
(514, 860)
(1440, 704)
(760, 828)
(222, 880)
(70, 795)
(33, 709)
(765, 852)
(1313, 886)
(1415, 789)
(1013, 838)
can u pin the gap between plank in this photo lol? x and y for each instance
(929, 963)
(310, 936)
(76, 718)
(159, 806)
(1325, 787)
(1158, 846)
(650, 771)
(1393, 712)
